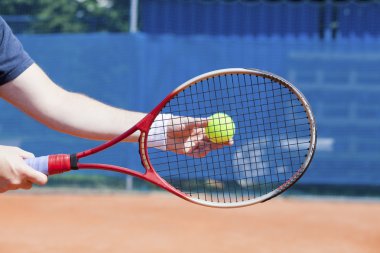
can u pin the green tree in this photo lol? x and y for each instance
(70, 16)
(18, 7)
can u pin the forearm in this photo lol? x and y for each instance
(79, 115)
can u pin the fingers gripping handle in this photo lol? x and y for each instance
(40, 164)
(53, 164)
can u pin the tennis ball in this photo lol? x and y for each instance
(220, 128)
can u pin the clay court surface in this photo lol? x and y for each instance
(88, 222)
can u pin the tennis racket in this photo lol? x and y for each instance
(273, 144)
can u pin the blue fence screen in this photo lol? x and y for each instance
(324, 19)
(340, 79)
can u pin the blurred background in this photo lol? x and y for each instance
(131, 53)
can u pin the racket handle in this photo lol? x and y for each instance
(51, 164)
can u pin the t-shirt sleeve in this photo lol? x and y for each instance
(13, 58)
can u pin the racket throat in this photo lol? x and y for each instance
(146, 122)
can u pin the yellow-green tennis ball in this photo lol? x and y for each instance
(220, 128)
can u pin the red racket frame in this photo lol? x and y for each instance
(63, 162)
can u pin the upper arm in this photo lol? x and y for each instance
(23, 83)
(32, 92)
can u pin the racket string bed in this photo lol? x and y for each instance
(271, 140)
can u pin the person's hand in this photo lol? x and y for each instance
(187, 135)
(15, 173)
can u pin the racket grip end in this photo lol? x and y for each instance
(51, 165)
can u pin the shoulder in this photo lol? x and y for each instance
(5, 30)
(13, 58)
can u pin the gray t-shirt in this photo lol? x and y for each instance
(13, 59)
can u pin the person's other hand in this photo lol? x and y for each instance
(187, 135)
